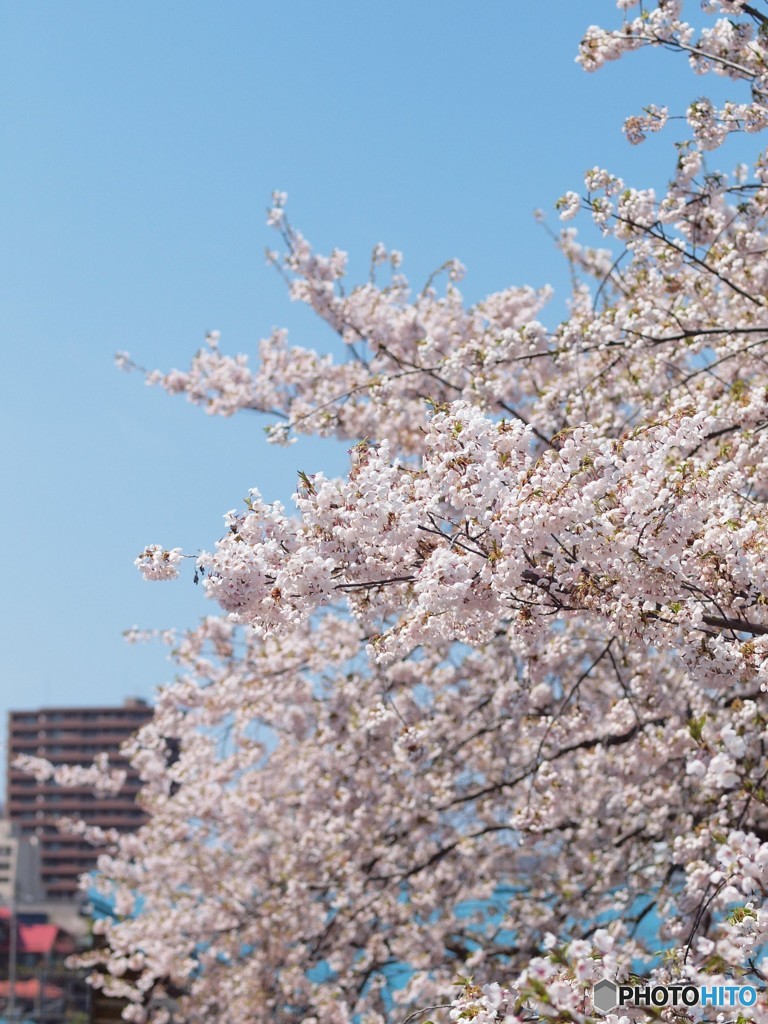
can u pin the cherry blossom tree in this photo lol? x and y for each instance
(491, 706)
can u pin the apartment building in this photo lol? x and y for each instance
(71, 736)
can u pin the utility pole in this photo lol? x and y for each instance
(11, 1006)
(8, 885)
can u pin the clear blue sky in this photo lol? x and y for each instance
(140, 144)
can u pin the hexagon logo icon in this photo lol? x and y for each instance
(605, 995)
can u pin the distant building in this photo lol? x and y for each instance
(71, 736)
(20, 874)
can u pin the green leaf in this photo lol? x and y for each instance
(696, 727)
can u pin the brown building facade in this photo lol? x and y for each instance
(71, 736)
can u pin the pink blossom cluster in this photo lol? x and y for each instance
(156, 563)
(731, 47)
(100, 775)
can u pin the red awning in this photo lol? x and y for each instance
(30, 990)
(37, 938)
